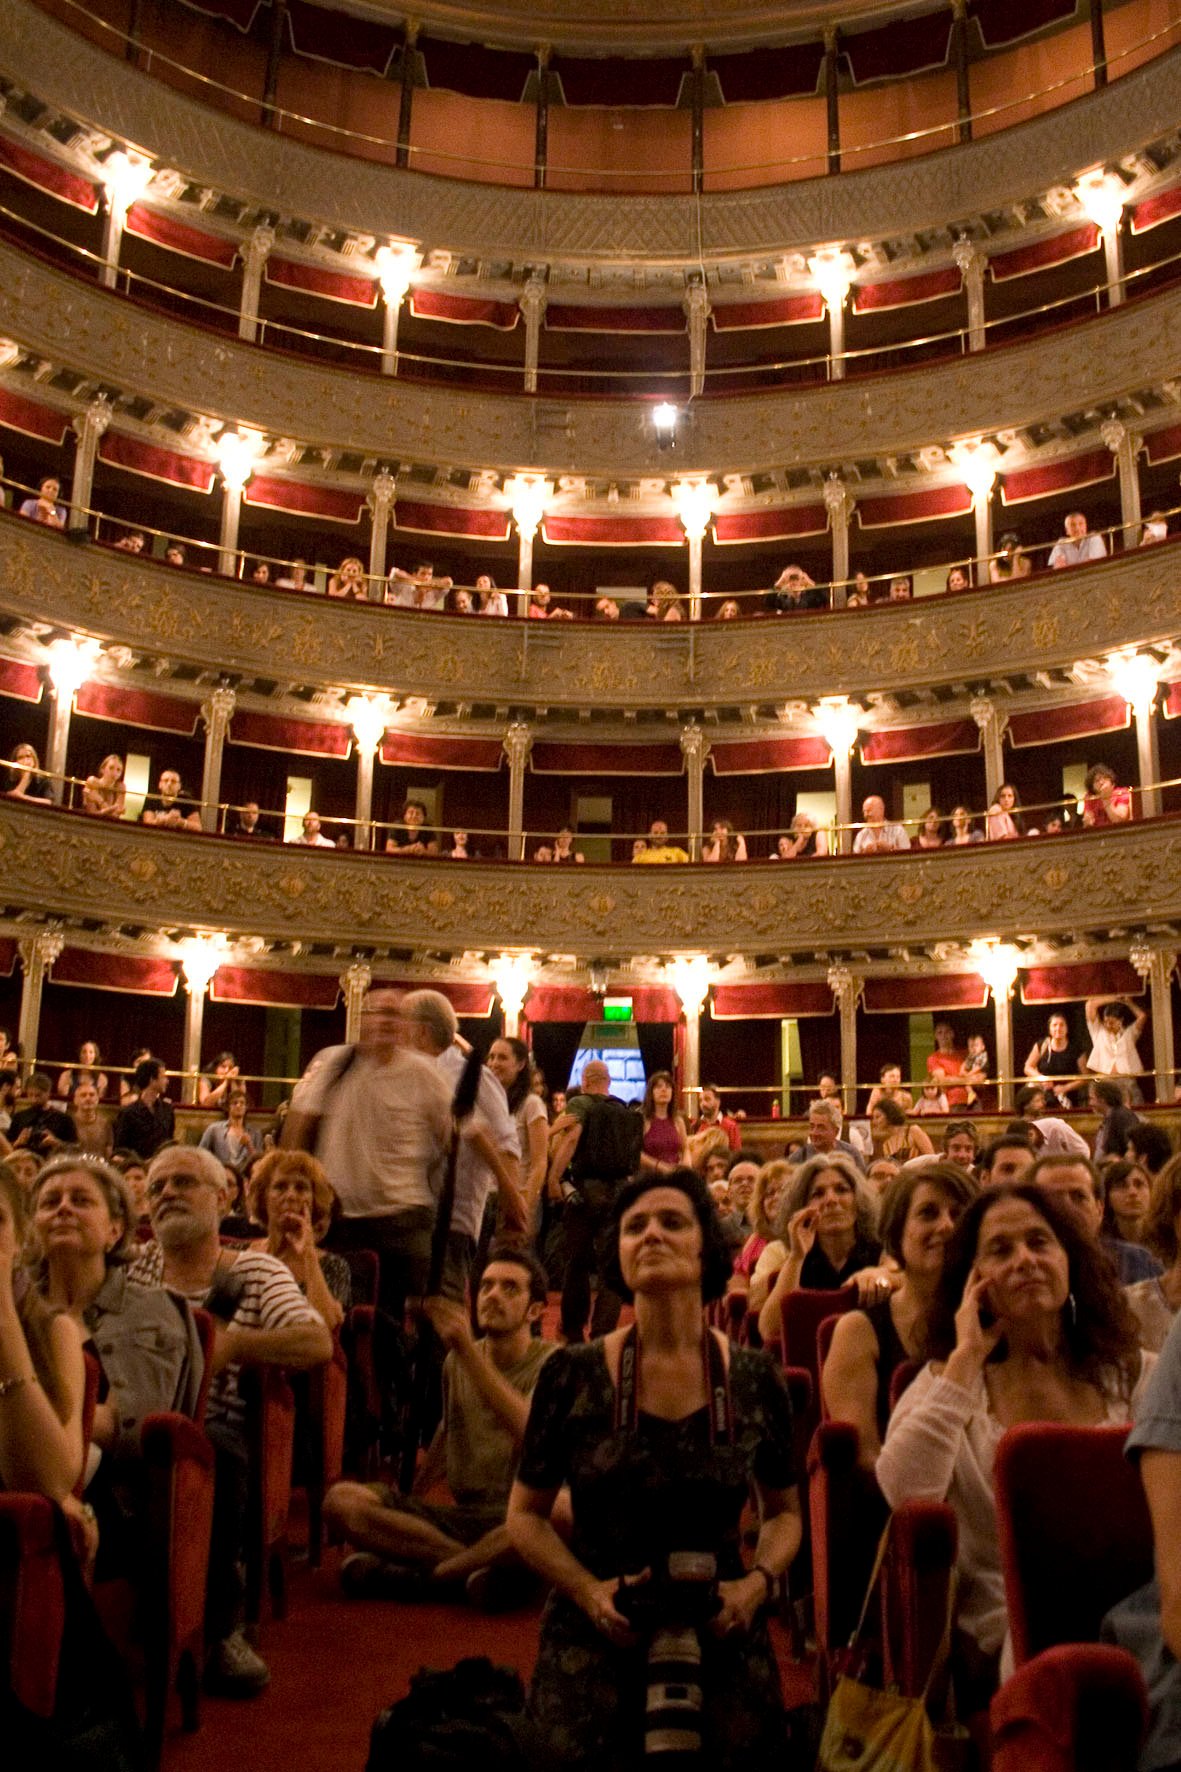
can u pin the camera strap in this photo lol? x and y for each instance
(717, 1387)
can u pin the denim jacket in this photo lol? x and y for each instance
(147, 1344)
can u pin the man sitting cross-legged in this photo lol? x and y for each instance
(412, 1549)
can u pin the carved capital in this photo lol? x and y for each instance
(845, 986)
(1114, 434)
(259, 247)
(217, 710)
(39, 952)
(355, 981)
(837, 500)
(382, 493)
(696, 304)
(969, 260)
(982, 711)
(518, 742)
(94, 419)
(534, 298)
(694, 745)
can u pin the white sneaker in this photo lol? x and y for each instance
(234, 1670)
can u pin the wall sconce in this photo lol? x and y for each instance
(690, 976)
(998, 964)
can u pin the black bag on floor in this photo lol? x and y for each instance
(469, 1715)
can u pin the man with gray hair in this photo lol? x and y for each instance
(824, 1133)
(489, 1160)
(378, 1116)
(599, 1140)
(261, 1318)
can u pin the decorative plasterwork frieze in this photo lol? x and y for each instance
(66, 865)
(170, 361)
(539, 227)
(222, 625)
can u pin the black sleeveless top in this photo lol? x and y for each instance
(891, 1355)
(1056, 1064)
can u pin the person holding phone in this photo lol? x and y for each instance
(1029, 1324)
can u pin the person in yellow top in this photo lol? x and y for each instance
(658, 848)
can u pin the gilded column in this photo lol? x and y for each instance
(533, 305)
(846, 987)
(972, 264)
(697, 311)
(988, 720)
(355, 982)
(518, 742)
(37, 956)
(1125, 447)
(839, 505)
(259, 247)
(1156, 967)
(217, 710)
(382, 494)
(88, 428)
(695, 749)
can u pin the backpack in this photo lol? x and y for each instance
(454, 1719)
(611, 1142)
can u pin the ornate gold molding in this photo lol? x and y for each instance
(221, 624)
(66, 865)
(106, 338)
(537, 227)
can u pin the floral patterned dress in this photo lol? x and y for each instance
(665, 1486)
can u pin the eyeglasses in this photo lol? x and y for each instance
(180, 1184)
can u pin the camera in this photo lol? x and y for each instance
(671, 1610)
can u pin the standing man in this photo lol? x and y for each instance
(711, 1115)
(489, 1159)
(378, 1116)
(598, 1139)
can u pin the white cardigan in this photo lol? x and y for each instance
(941, 1446)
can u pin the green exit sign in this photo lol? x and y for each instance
(617, 1009)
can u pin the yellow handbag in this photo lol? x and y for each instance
(868, 1730)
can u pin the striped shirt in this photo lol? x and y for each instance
(270, 1300)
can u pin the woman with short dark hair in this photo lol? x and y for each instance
(661, 1430)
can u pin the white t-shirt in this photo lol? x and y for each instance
(384, 1132)
(1113, 1055)
(474, 1181)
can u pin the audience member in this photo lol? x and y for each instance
(1006, 1160)
(724, 843)
(260, 572)
(214, 1090)
(1010, 561)
(960, 1143)
(1076, 548)
(930, 833)
(295, 578)
(105, 795)
(410, 836)
(147, 1122)
(1078, 1186)
(169, 807)
(1155, 1302)
(766, 1193)
(88, 1068)
(407, 1548)
(825, 1238)
(1114, 1025)
(349, 580)
(889, 1088)
(804, 840)
(963, 831)
(892, 1136)
(709, 1113)
(1126, 1191)
(1050, 1060)
(40, 1127)
(793, 590)
(263, 1319)
(290, 1197)
(663, 1148)
(419, 589)
(900, 590)
(959, 578)
(230, 1139)
(1028, 1323)
(825, 1120)
(540, 603)
(492, 601)
(728, 610)
(45, 507)
(1005, 820)
(92, 1130)
(24, 778)
(247, 823)
(598, 1140)
(1104, 802)
(876, 837)
(132, 541)
(606, 609)
(310, 834)
(919, 1214)
(658, 849)
(509, 1062)
(1149, 1147)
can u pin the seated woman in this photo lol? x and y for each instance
(892, 1134)
(213, 1091)
(83, 1236)
(23, 779)
(963, 831)
(1155, 1303)
(1010, 561)
(930, 834)
(724, 843)
(491, 601)
(459, 601)
(230, 1139)
(663, 1149)
(1104, 802)
(661, 1430)
(805, 840)
(410, 836)
(825, 1238)
(728, 610)
(959, 578)
(89, 1060)
(1029, 1324)
(540, 603)
(104, 794)
(349, 580)
(919, 1213)
(1125, 1209)
(290, 1196)
(563, 851)
(41, 1370)
(762, 1210)
(664, 602)
(1004, 816)
(1052, 1060)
